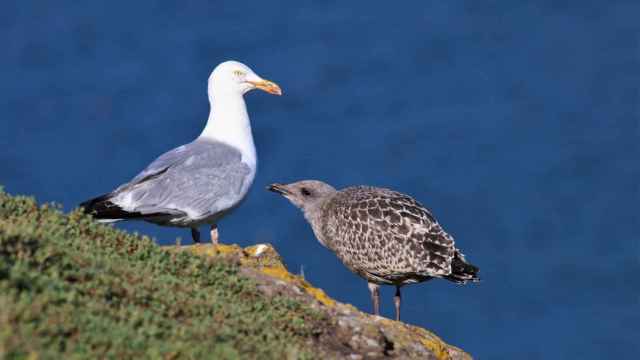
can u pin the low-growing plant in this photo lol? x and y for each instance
(70, 287)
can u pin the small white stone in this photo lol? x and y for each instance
(371, 342)
(260, 249)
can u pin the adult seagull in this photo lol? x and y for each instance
(200, 182)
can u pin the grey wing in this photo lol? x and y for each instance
(191, 182)
(163, 162)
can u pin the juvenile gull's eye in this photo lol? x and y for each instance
(305, 192)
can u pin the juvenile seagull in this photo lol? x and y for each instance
(196, 183)
(384, 236)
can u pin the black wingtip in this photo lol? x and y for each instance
(92, 205)
(101, 207)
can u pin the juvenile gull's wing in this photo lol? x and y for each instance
(191, 182)
(388, 236)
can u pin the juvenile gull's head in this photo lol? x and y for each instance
(307, 195)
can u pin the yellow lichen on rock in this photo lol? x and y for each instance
(209, 250)
(318, 294)
(283, 274)
(437, 346)
(222, 249)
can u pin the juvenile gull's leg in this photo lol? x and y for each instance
(396, 301)
(195, 235)
(375, 297)
(214, 234)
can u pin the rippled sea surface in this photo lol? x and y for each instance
(516, 123)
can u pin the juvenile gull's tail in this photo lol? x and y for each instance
(461, 271)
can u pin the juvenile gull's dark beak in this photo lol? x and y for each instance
(278, 188)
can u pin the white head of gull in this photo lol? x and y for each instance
(200, 182)
(228, 118)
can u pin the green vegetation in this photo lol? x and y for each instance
(70, 288)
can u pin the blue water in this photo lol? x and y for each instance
(516, 123)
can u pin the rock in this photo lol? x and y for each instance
(352, 334)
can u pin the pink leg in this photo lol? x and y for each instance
(396, 301)
(214, 234)
(375, 297)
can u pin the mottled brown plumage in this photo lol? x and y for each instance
(384, 236)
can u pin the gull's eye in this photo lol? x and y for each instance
(239, 73)
(305, 192)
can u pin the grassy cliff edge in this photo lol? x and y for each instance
(71, 287)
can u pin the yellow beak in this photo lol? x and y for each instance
(268, 86)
